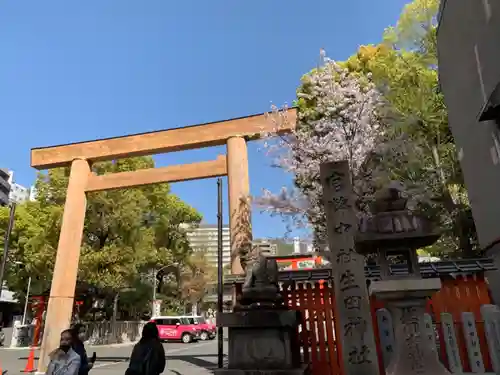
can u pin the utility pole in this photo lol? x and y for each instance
(26, 300)
(153, 305)
(220, 274)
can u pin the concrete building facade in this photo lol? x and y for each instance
(205, 238)
(469, 74)
(19, 193)
(266, 246)
(301, 247)
(4, 187)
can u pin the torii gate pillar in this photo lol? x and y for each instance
(239, 200)
(62, 291)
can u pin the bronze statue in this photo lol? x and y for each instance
(261, 271)
(261, 280)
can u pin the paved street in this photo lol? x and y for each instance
(182, 359)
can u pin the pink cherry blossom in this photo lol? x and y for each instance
(343, 124)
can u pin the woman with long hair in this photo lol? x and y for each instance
(148, 355)
(78, 334)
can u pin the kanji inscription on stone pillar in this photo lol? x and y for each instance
(352, 309)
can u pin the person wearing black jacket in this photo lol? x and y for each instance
(78, 333)
(148, 355)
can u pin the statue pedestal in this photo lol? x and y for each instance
(262, 342)
(406, 300)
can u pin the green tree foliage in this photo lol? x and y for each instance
(418, 147)
(126, 233)
(196, 275)
(33, 243)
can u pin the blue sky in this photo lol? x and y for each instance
(73, 71)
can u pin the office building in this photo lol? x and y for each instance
(266, 246)
(468, 38)
(4, 187)
(283, 247)
(19, 193)
(205, 238)
(33, 194)
(301, 247)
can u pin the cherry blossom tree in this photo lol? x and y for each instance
(339, 118)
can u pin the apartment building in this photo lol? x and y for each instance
(468, 38)
(205, 238)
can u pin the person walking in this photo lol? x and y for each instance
(78, 333)
(148, 355)
(64, 360)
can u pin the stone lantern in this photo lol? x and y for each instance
(394, 231)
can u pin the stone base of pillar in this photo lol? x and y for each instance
(406, 299)
(262, 342)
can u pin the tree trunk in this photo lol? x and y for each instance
(437, 164)
(464, 235)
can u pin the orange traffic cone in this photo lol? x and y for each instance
(30, 365)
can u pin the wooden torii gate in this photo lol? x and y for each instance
(79, 156)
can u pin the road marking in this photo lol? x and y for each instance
(201, 344)
(107, 364)
(177, 350)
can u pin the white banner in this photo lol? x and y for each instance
(157, 307)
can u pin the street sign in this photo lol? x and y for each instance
(157, 307)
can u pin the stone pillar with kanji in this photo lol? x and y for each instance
(352, 309)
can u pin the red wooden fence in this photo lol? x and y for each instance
(316, 301)
(317, 331)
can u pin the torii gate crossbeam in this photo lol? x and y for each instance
(234, 133)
